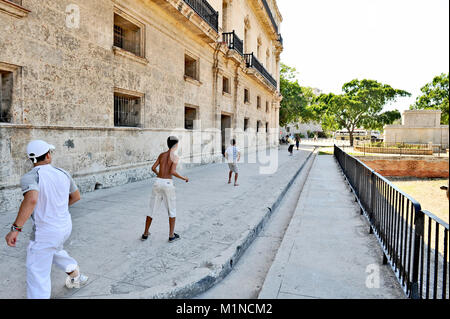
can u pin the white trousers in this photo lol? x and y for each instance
(163, 198)
(41, 254)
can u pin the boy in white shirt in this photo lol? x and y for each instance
(233, 155)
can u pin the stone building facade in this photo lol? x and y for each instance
(108, 81)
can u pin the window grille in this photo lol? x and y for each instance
(127, 110)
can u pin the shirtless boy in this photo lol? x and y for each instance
(163, 192)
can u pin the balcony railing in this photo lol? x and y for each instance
(253, 62)
(269, 12)
(233, 42)
(280, 39)
(204, 9)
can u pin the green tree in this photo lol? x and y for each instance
(435, 97)
(379, 121)
(295, 98)
(360, 104)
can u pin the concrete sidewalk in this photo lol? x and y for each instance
(327, 251)
(216, 221)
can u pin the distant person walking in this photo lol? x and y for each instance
(297, 142)
(48, 192)
(163, 197)
(233, 156)
(291, 143)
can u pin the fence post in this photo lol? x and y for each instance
(418, 233)
(372, 202)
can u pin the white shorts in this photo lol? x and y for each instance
(163, 198)
(233, 167)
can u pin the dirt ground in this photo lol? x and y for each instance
(427, 192)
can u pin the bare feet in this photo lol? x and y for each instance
(236, 185)
(229, 182)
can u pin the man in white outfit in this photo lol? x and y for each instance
(48, 193)
(233, 156)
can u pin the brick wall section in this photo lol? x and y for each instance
(409, 166)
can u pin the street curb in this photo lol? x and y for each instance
(202, 279)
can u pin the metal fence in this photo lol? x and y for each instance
(401, 148)
(415, 242)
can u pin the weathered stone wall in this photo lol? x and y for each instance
(64, 82)
(408, 166)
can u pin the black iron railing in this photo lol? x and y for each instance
(280, 39)
(252, 62)
(204, 9)
(269, 12)
(415, 242)
(233, 42)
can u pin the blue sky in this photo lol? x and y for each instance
(403, 43)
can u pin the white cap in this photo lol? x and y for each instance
(38, 148)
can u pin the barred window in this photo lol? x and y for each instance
(6, 91)
(127, 35)
(258, 126)
(127, 110)
(246, 124)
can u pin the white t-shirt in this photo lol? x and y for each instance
(232, 154)
(54, 185)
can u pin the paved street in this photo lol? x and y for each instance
(327, 251)
(214, 220)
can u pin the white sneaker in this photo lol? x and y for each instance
(76, 282)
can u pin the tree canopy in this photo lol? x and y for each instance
(295, 97)
(360, 105)
(435, 97)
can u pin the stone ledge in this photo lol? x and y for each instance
(192, 81)
(258, 76)
(13, 9)
(94, 128)
(126, 54)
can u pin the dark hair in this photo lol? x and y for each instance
(233, 142)
(40, 158)
(172, 141)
